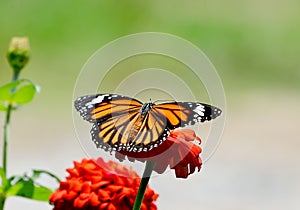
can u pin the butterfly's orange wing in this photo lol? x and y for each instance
(118, 121)
(119, 124)
(181, 114)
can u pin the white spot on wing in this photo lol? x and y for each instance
(199, 110)
(97, 100)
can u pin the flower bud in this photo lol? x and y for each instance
(18, 53)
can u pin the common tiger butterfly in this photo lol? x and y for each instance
(124, 123)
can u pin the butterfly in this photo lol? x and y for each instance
(124, 123)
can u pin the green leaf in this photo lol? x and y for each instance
(41, 193)
(13, 190)
(23, 187)
(3, 107)
(24, 94)
(17, 93)
(26, 186)
(27, 189)
(6, 90)
(38, 173)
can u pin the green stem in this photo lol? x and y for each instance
(15, 75)
(6, 132)
(5, 139)
(6, 129)
(143, 185)
(2, 201)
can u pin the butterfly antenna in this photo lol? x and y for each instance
(163, 101)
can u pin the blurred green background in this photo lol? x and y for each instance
(254, 45)
(251, 43)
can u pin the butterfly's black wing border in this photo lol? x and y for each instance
(99, 142)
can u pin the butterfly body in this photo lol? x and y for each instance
(124, 123)
(146, 108)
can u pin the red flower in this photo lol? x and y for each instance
(91, 187)
(178, 151)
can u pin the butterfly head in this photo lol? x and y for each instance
(146, 108)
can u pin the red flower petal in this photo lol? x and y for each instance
(178, 152)
(115, 189)
(94, 201)
(70, 195)
(80, 201)
(104, 195)
(58, 195)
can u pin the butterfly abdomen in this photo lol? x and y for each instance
(135, 129)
